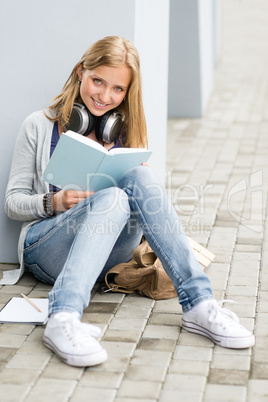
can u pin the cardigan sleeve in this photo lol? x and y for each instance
(24, 193)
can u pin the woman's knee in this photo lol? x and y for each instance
(141, 181)
(110, 200)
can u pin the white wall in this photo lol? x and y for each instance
(151, 38)
(41, 42)
(192, 54)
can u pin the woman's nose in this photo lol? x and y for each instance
(105, 95)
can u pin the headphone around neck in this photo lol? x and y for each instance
(107, 127)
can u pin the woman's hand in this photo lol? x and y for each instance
(145, 164)
(64, 200)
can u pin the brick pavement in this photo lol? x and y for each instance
(217, 179)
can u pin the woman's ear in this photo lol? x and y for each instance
(79, 71)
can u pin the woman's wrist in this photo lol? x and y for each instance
(48, 203)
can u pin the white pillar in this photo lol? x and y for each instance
(41, 42)
(191, 56)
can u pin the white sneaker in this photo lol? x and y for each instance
(219, 324)
(73, 340)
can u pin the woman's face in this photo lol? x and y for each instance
(103, 88)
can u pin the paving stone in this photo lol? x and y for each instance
(230, 393)
(135, 324)
(259, 371)
(139, 372)
(11, 340)
(243, 281)
(263, 306)
(161, 331)
(261, 342)
(193, 353)
(165, 319)
(37, 334)
(262, 324)
(34, 362)
(14, 392)
(115, 335)
(42, 294)
(57, 369)
(185, 382)
(18, 376)
(180, 366)
(119, 348)
(114, 363)
(242, 290)
(6, 353)
(16, 289)
(190, 339)
(47, 388)
(138, 301)
(133, 311)
(178, 395)
(109, 297)
(228, 362)
(146, 389)
(5, 297)
(218, 350)
(100, 379)
(167, 306)
(99, 308)
(34, 348)
(261, 356)
(146, 357)
(14, 328)
(96, 318)
(28, 280)
(257, 390)
(125, 399)
(158, 344)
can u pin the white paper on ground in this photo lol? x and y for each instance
(21, 311)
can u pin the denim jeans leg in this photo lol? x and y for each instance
(47, 243)
(108, 213)
(162, 228)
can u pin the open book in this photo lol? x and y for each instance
(79, 163)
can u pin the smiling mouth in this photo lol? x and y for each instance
(98, 104)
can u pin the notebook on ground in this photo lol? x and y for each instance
(21, 311)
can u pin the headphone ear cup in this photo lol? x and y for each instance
(100, 125)
(81, 120)
(108, 127)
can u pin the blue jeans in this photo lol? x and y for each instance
(74, 249)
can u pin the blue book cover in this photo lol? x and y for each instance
(79, 163)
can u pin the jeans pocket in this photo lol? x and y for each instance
(40, 274)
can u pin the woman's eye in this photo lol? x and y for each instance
(118, 89)
(97, 81)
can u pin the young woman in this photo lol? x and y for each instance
(61, 242)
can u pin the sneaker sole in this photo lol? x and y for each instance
(77, 360)
(225, 342)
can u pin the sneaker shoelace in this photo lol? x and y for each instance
(217, 313)
(76, 331)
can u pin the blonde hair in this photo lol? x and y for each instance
(112, 51)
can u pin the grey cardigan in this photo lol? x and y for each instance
(25, 189)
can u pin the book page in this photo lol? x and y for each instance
(127, 150)
(86, 141)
